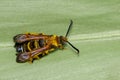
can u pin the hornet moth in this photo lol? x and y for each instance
(31, 46)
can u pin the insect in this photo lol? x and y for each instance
(31, 46)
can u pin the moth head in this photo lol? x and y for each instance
(64, 39)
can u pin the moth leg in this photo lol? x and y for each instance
(60, 46)
(36, 57)
(30, 60)
(46, 52)
(52, 49)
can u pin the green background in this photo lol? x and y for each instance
(96, 33)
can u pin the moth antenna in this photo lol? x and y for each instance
(73, 47)
(71, 23)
